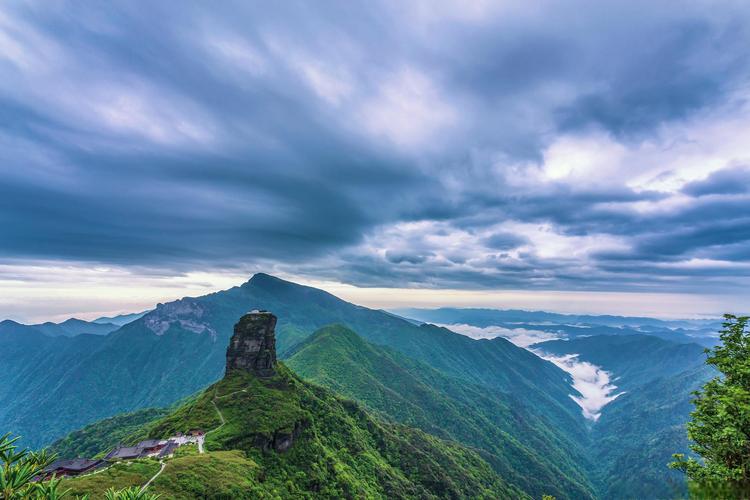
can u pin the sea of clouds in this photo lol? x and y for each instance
(593, 384)
(522, 337)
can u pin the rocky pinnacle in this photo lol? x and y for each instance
(253, 345)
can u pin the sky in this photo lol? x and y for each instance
(572, 156)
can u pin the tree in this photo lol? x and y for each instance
(19, 468)
(720, 425)
(48, 490)
(133, 493)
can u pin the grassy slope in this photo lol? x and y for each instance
(518, 445)
(118, 476)
(219, 474)
(339, 450)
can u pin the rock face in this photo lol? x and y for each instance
(253, 345)
(187, 313)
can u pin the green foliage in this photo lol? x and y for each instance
(637, 433)
(133, 493)
(720, 426)
(220, 474)
(49, 490)
(335, 449)
(19, 467)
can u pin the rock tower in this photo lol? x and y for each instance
(253, 345)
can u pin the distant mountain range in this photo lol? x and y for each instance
(68, 328)
(565, 326)
(122, 319)
(503, 400)
(71, 327)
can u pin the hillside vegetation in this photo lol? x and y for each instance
(517, 444)
(336, 449)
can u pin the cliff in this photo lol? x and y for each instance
(253, 345)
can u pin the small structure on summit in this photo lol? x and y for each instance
(253, 345)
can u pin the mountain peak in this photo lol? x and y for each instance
(253, 345)
(263, 278)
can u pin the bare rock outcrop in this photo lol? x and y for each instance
(253, 345)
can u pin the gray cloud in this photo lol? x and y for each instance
(504, 241)
(373, 142)
(729, 181)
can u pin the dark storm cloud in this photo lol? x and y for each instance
(397, 257)
(504, 241)
(729, 181)
(187, 136)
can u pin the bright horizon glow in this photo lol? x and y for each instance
(89, 293)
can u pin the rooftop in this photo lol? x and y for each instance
(168, 449)
(149, 443)
(74, 464)
(126, 452)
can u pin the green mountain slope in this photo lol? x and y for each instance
(638, 432)
(58, 384)
(86, 378)
(332, 449)
(519, 445)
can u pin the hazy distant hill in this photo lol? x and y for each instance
(571, 325)
(634, 359)
(68, 328)
(122, 319)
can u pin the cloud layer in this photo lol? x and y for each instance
(522, 337)
(433, 144)
(592, 383)
(593, 386)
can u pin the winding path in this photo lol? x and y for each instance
(201, 438)
(163, 465)
(221, 417)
